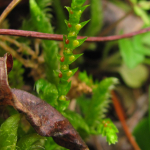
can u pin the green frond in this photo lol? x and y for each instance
(44, 5)
(42, 24)
(100, 101)
(108, 129)
(70, 43)
(47, 91)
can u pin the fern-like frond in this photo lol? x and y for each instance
(100, 101)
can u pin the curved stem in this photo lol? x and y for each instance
(8, 9)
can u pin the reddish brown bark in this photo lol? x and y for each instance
(45, 119)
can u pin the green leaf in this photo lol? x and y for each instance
(47, 91)
(144, 5)
(134, 77)
(40, 85)
(76, 120)
(130, 57)
(63, 105)
(8, 133)
(30, 142)
(96, 17)
(140, 45)
(142, 134)
(142, 14)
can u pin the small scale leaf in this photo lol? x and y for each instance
(64, 88)
(40, 85)
(77, 3)
(80, 41)
(63, 105)
(68, 74)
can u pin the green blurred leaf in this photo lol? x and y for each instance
(130, 57)
(140, 45)
(51, 145)
(144, 5)
(8, 133)
(40, 85)
(142, 14)
(85, 78)
(96, 17)
(30, 142)
(63, 105)
(60, 15)
(84, 103)
(134, 1)
(42, 24)
(76, 120)
(134, 77)
(142, 134)
(47, 91)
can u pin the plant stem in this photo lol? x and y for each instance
(8, 9)
(59, 37)
(121, 117)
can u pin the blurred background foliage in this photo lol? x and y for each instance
(127, 60)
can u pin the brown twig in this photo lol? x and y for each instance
(26, 63)
(8, 9)
(20, 45)
(121, 117)
(59, 37)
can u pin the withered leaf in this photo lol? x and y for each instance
(45, 119)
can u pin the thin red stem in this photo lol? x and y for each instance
(121, 116)
(59, 37)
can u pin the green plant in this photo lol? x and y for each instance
(101, 91)
(54, 90)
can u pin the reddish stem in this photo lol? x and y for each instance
(59, 37)
(121, 117)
